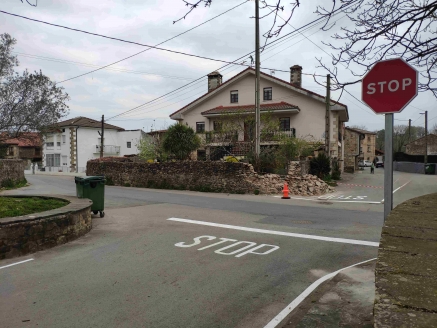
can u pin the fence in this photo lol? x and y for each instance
(409, 167)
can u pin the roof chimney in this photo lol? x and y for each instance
(214, 80)
(296, 75)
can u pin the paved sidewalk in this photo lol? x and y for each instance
(344, 301)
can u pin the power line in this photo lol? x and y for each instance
(136, 43)
(284, 36)
(122, 70)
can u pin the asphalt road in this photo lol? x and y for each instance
(144, 265)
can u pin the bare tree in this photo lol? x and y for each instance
(433, 129)
(380, 30)
(28, 102)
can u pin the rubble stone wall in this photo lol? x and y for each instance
(35, 232)
(11, 171)
(204, 176)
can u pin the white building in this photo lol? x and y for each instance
(77, 141)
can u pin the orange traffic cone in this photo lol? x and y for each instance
(285, 191)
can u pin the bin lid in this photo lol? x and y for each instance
(90, 178)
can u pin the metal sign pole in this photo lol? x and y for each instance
(388, 165)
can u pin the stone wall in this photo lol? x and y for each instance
(351, 150)
(11, 171)
(203, 176)
(31, 233)
(417, 147)
(405, 275)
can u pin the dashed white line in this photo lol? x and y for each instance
(280, 233)
(281, 316)
(333, 201)
(9, 265)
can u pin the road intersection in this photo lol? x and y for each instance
(187, 259)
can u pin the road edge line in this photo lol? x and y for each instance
(290, 307)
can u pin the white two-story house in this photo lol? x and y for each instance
(301, 112)
(75, 141)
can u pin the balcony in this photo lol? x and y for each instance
(108, 150)
(217, 137)
(277, 135)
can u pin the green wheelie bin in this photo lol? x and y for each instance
(92, 188)
(430, 168)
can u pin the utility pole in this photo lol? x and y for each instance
(102, 134)
(409, 130)
(327, 115)
(257, 82)
(426, 137)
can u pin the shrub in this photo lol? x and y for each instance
(320, 165)
(336, 173)
(180, 140)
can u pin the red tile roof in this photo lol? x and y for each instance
(28, 139)
(262, 73)
(250, 108)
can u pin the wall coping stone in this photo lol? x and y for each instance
(75, 204)
(406, 270)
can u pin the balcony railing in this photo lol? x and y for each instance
(216, 137)
(276, 135)
(108, 149)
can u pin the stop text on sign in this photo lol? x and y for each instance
(248, 247)
(391, 86)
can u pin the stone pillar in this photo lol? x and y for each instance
(73, 148)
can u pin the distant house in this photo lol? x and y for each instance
(75, 141)
(359, 145)
(27, 147)
(299, 111)
(417, 147)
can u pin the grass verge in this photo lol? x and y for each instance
(17, 206)
(9, 184)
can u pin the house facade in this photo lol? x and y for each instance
(352, 149)
(76, 141)
(417, 147)
(300, 112)
(367, 143)
(27, 147)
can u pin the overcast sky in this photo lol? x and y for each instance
(153, 73)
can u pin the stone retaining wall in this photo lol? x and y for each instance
(406, 270)
(11, 171)
(203, 176)
(31, 233)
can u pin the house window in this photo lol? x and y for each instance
(53, 159)
(218, 126)
(11, 151)
(129, 144)
(267, 93)
(63, 130)
(368, 149)
(234, 96)
(50, 142)
(284, 124)
(64, 139)
(368, 138)
(58, 144)
(200, 127)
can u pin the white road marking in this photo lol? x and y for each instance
(333, 201)
(280, 233)
(9, 265)
(382, 201)
(281, 316)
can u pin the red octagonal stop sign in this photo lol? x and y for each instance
(389, 86)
